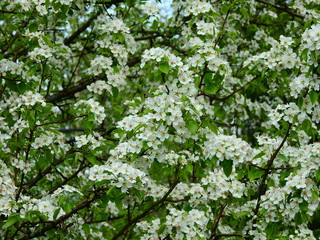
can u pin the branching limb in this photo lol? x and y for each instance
(215, 97)
(217, 220)
(281, 8)
(262, 186)
(134, 220)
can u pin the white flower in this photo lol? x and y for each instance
(150, 8)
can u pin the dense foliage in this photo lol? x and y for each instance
(119, 120)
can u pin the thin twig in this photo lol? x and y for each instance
(281, 8)
(217, 220)
(215, 97)
(261, 188)
(147, 211)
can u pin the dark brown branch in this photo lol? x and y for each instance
(46, 171)
(26, 159)
(105, 220)
(147, 37)
(215, 97)
(74, 35)
(146, 212)
(85, 203)
(69, 92)
(178, 200)
(217, 220)
(62, 121)
(265, 24)
(266, 169)
(75, 174)
(281, 8)
(4, 11)
(261, 188)
(215, 45)
(227, 235)
(222, 29)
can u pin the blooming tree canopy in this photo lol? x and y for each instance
(121, 121)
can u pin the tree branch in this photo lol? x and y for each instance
(227, 235)
(75, 174)
(217, 220)
(43, 173)
(146, 212)
(215, 97)
(281, 8)
(261, 188)
(74, 35)
(85, 203)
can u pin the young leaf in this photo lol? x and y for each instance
(192, 126)
(255, 173)
(227, 167)
(313, 97)
(164, 67)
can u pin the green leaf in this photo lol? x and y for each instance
(33, 27)
(225, 8)
(259, 155)
(220, 112)
(215, 15)
(67, 207)
(110, 191)
(164, 67)
(208, 79)
(92, 160)
(313, 97)
(154, 25)
(117, 108)
(271, 229)
(227, 167)
(284, 73)
(139, 194)
(211, 89)
(11, 85)
(212, 127)
(115, 92)
(315, 194)
(42, 162)
(22, 87)
(243, 214)
(12, 219)
(189, 168)
(192, 126)
(298, 218)
(51, 233)
(86, 228)
(255, 173)
(283, 157)
(47, 41)
(306, 125)
(304, 55)
(300, 102)
(314, 56)
(318, 175)
(162, 228)
(304, 206)
(56, 213)
(244, 12)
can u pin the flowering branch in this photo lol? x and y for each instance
(147, 211)
(261, 188)
(217, 220)
(281, 8)
(215, 97)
